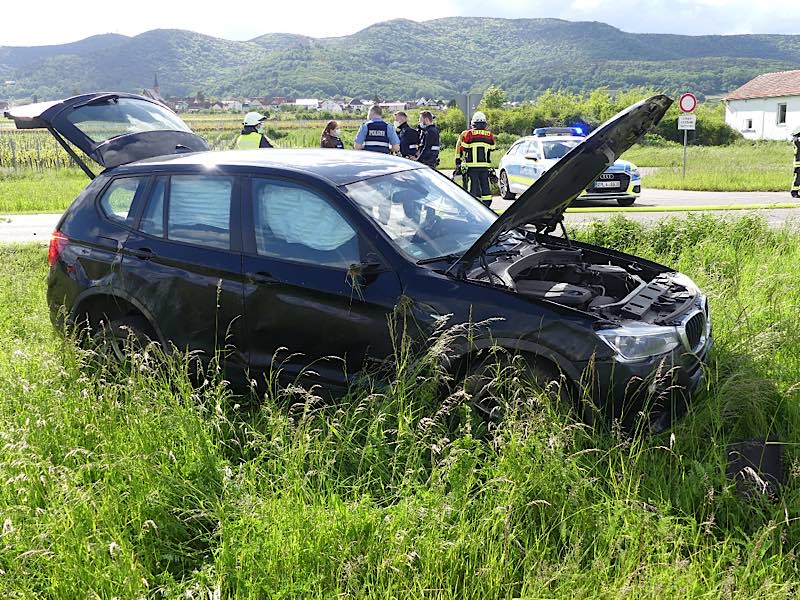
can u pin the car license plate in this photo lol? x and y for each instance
(606, 184)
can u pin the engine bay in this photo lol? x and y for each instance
(588, 280)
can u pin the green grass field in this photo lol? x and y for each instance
(133, 484)
(758, 167)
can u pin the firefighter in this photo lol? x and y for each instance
(796, 183)
(429, 140)
(475, 147)
(409, 137)
(252, 135)
(376, 135)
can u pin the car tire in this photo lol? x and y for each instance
(626, 201)
(117, 338)
(505, 190)
(489, 371)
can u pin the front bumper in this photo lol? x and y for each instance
(630, 191)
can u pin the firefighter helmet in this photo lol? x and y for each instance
(252, 119)
(478, 117)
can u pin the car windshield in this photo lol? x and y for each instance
(425, 215)
(558, 148)
(114, 116)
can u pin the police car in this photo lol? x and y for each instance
(532, 155)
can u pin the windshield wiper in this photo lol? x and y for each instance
(445, 257)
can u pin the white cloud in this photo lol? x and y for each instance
(65, 22)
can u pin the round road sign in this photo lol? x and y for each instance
(688, 102)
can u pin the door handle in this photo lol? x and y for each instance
(262, 278)
(142, 253)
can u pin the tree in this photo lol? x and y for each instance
(493, 97)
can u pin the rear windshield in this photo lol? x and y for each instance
(120, 116)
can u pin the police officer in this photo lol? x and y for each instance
(409, 137)
(252, 135)
(474, 147)
(429, 140)
(376, 135)
(796, 183)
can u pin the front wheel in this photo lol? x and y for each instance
(505, 190)
(626, 201)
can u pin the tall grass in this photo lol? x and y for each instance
(743, 167)
(134, 483)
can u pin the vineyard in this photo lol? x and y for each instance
(37, 150)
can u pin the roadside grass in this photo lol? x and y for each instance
(742, 167)
(133, 483)
(40, 191)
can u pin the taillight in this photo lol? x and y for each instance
(57, 243)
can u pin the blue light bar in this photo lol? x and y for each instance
(545, 131)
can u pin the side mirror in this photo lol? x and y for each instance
(533, 157)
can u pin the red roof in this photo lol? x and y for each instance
(769, 85)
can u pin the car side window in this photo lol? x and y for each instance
(118, 197)
(199, 210)
(295, 223)
(152, 221)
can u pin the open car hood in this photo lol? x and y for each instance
(112, 129)
(543, 204)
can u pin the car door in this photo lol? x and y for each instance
(183, 264)
(317, 295)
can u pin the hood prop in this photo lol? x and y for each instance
(72, 153)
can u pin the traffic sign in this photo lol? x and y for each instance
(687, 122)
(687, 103)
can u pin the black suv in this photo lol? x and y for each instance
(316, 250)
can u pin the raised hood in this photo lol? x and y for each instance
(543, 204)
(112, 129)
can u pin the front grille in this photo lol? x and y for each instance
(623, 178)
(695, 331)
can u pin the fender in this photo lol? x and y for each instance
(93, 292)
(563, 363)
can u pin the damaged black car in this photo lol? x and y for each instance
(316, 250)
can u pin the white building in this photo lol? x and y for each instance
(767, 107)
(307, 103)
(331, 106)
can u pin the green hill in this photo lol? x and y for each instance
(402, 59)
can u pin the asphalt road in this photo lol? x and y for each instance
(32, 228)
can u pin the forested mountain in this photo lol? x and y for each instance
(400, 59)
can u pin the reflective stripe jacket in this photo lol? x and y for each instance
(249, 140)
(476, 146)
(409, 140)
(377, 139)
(429, 145)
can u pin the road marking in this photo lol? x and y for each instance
(689, 208)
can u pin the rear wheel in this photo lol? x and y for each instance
(505, 189)
(626, 201)
(117, 338)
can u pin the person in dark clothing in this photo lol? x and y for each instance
(252, 135)
(409, 137)
(332, 136)
(796, 183)
(429, 140)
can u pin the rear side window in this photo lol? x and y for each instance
(199, 210)
(153, 217)
(117, 200)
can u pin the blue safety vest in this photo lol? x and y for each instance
(377, 139)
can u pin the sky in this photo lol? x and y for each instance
(67, 22)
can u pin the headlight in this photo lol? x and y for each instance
(635, 173)
(635, 342)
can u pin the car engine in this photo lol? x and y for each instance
(589, 281)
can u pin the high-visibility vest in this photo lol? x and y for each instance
(377, 138)
(248, 141)
(476, 145)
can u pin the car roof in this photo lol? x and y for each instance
(552, 138)
(339, 167)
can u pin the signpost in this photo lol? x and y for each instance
(687, 122)
(468, 103)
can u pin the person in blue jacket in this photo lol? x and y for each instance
(376, 135)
